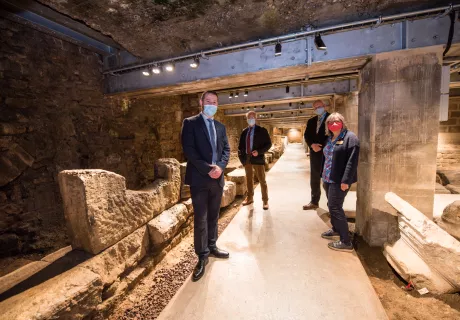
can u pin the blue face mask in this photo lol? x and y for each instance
(209, 110)
(251, 122)
(319, 111)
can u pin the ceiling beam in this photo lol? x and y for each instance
(297, 60)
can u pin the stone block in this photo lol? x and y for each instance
(440, 189)
(229, 194)
(438, 249)
(73, 294)
(13, 162)
(454, 189)
(100, 211)
(122, 256)
(188, 203)
(450, 219)
(238, 176)
(185, 192)
(452, 176)
(183, 168)
(165, 226)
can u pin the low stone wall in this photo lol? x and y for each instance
(129, 231)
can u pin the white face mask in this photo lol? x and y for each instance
(319, 111)
(251, 122)
(209, 110)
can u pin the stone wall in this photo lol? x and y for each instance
(54, 117)
(51, 105)
(449, 138)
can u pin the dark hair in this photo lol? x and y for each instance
(206, 93)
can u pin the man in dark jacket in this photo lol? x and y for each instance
(315, 137)
(254, 143)
(205, 145)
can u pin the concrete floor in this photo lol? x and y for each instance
(280, 267)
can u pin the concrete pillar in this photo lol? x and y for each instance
(398, 130)
(347, 105)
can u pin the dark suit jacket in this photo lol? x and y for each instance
(310, 134)
(345, 160)
(262, 143)
(196, 144)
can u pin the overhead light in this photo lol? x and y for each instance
(247, 108)
(302, 103)
(278, 49)
(263, 106)
(237, 94)
(246, 93)
(146, 73)
(319, 43)
(169, 67)
(156, 69)
(195, 63)
(231, 95)
(242, 108)
(290, 104)
(287, 89)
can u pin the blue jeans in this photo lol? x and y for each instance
(335, 198)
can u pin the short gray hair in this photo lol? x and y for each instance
(335, 117)
(251, 112)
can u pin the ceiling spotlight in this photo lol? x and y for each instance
(302, 103)
(156, 69)
(290, 104)
(319, 43)
(278, 49)
(169, 67)
(146, 73)
(242, 108)
(287, 89)
(263, 106)
(195, 63)
(246, 93)
(231, 95)
(237, 94)
(247, 108)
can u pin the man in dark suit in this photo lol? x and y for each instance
(315, 137)
(205, 145)
(254, 143)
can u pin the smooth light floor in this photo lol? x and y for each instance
(280, 267)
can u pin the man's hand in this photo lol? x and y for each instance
(255, 153)
(216, 172)
(316, 147)
(344, 186)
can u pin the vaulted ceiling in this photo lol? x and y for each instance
(165, 28)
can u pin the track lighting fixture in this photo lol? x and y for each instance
(263, 106)
(231, 95)
(237, 94)
(319, 43)
(195, 63)
(278, 49)
(156, 69)
(146, 73)
(169, 67)
(287, 89)
(246, 93)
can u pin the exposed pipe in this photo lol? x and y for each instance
(451, 32)
(294, 36)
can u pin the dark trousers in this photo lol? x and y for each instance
(316, 159)
(335, 198)
(206, 206)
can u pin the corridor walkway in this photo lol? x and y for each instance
(280, 267)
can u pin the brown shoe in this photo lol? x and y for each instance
(247, 202)
(266, 205)
(310, 206)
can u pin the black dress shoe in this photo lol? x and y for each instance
(199, 269)
(216, 252)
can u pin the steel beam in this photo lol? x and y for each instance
(47, 20)
(341, 45)
(304, 91)
(275, 109)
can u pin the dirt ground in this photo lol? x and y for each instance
(399, 303)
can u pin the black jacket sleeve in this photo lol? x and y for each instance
(352, 163)
(188, 145)
(267, 142)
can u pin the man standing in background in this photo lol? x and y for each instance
(205, 145)
(254, 143)
(315, 137)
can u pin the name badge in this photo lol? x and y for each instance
(339, 142)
